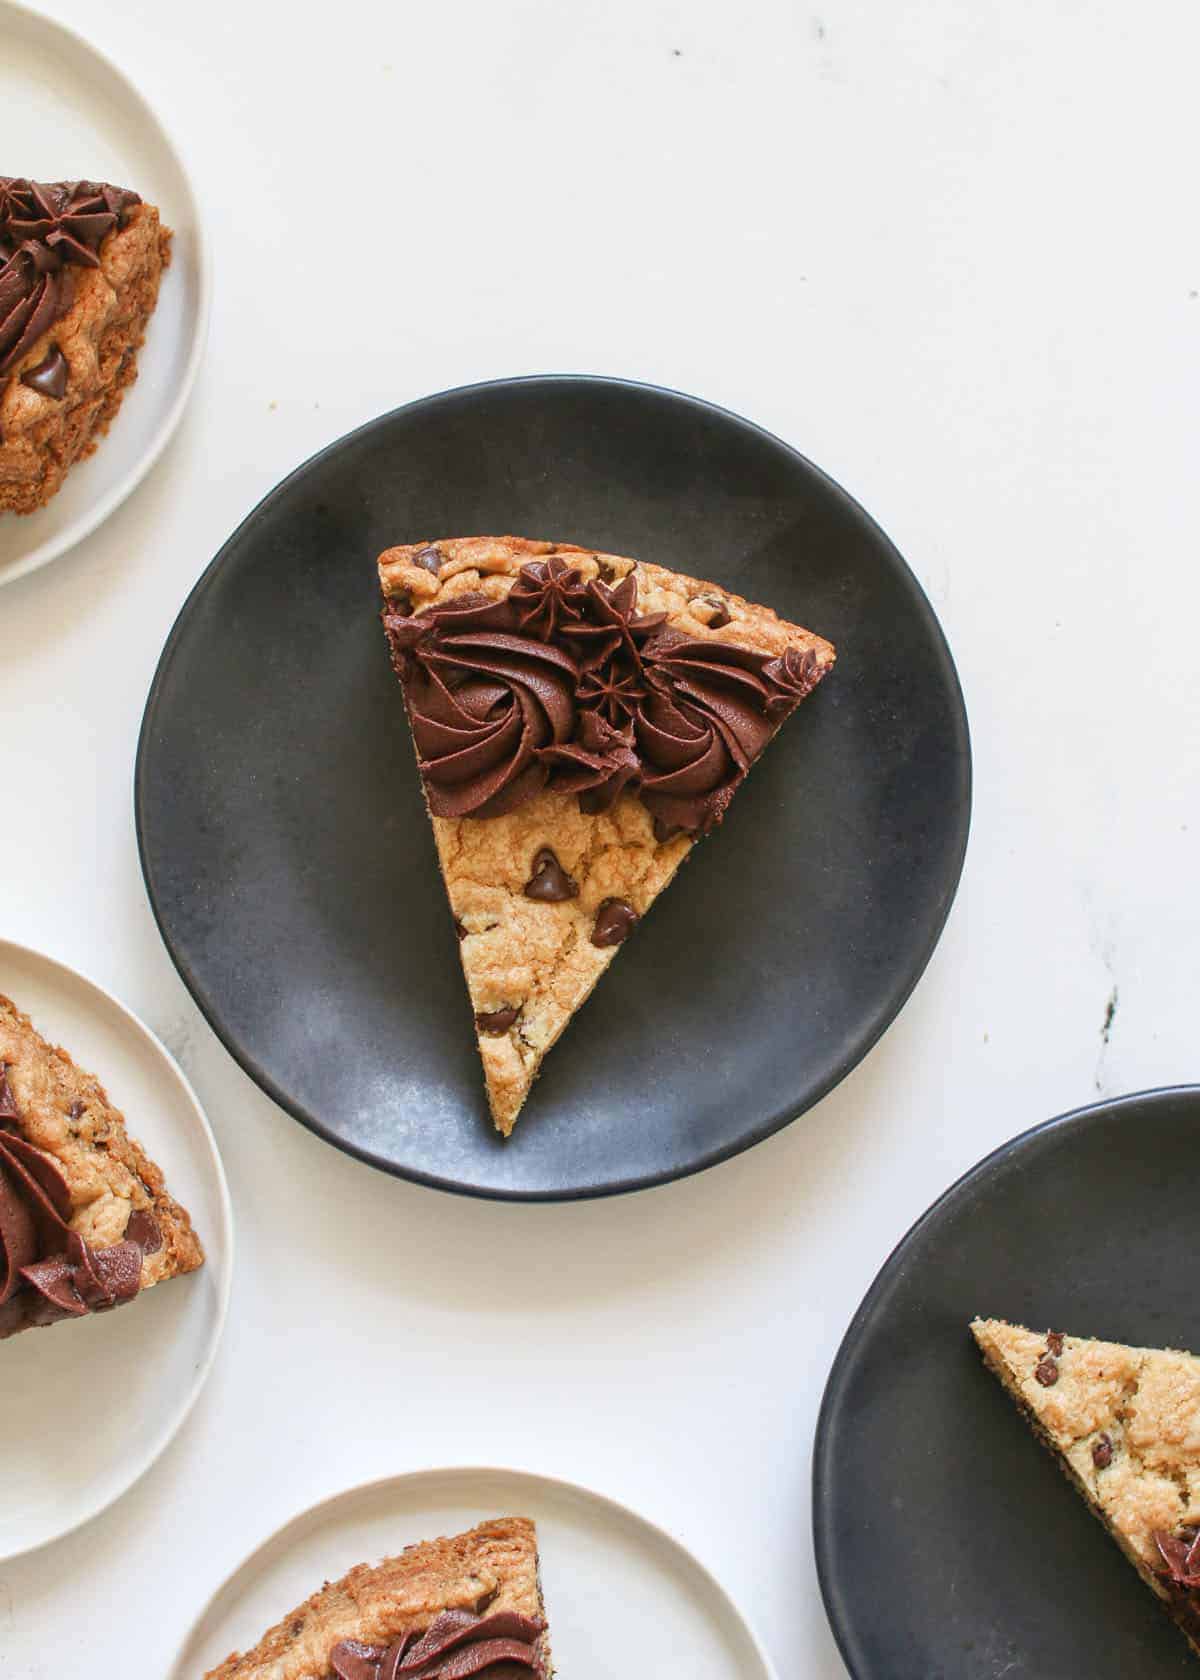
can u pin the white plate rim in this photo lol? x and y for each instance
(465, 1472)
(23, 16)
(184, 1406)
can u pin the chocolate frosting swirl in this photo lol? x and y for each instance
(46, 230)
(611, 631)
(484, 701)
(456, 1646)
(563, 684)
(710, 712)
(39, 1252)
(597, 765)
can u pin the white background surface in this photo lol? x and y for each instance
(949, 251)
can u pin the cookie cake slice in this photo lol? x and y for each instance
(580, 721)
(443, 1610)
(86, 1221)
(80, 266)
(1124, 1425)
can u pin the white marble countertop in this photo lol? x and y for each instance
(948, 251)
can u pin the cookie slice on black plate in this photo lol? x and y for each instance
(580, 720)
(1124, 1425)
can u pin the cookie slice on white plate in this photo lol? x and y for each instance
(445, 1609)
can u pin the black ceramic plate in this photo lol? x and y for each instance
(287, 852)
(949, 1545)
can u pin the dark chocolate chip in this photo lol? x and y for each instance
(721, 615)
(1046, 1372)
(549, 883)
(144, 1230)
(459, 929)
(49, 377)
(75, 1110)
(430, 558)
(8, 1103)
(401, 605)
(615, 921)
(1054, 1341)
(1102, 1453)
(498, 1021)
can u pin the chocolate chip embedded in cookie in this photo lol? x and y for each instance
(615, 921)
(49, 377)
(549, 882)
(711, 610)
(497, 1021)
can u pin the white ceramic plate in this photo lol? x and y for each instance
(614, 1583)
(66, 112)
(138, 1370)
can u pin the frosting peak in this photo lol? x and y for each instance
(548, 595)
(563, 684)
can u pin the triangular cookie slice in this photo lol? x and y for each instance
(580, 720)
(80, 266)
(1124, 1423)
(470, 1605)
(86, 1221)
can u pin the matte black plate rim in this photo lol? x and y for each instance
(1076, 1119)
(775, 1122)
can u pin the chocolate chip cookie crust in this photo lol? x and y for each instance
(490, 1570)
(1124, 1426)
(543, 893)
(80, 268)
(64, 1113)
